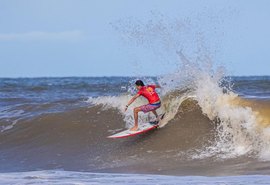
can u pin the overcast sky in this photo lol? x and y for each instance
(85, 37)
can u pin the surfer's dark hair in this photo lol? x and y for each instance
(139, 83)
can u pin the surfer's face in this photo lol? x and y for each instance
(138, 87)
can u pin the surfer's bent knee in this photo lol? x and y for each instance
(137, 109)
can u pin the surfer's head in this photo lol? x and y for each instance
(139, 84)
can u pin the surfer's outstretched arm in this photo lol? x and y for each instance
(132, 100)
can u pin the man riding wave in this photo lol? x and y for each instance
(151, 95)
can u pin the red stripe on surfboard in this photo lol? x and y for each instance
(134, 134)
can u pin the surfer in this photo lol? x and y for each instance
(150, 94)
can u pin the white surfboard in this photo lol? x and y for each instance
(143, 127)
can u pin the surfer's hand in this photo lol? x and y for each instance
(126, 108)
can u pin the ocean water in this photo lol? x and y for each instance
(80, 178)
(54, 131)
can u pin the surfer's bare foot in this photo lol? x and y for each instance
(135, 128)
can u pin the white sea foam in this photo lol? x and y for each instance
(239, 132)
